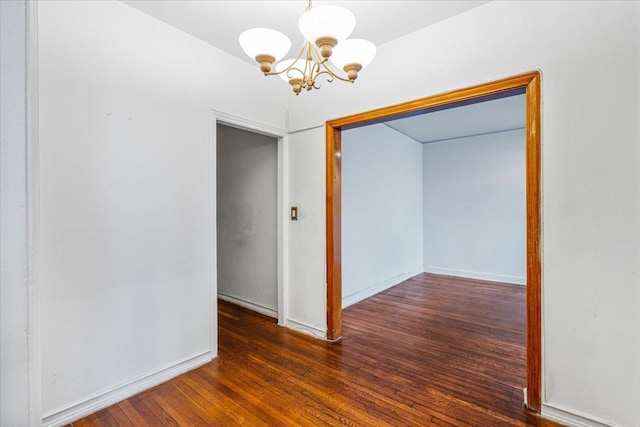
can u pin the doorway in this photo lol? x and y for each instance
(441, 192)
(529, 84)
(248, 206)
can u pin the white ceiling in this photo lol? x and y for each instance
(475, 119)
(220, 22)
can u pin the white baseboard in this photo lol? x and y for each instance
(573, 418)
(377, 288)
(249, 305)
(306, 329)
(504, 278)
(123, 391)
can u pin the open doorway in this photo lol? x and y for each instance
(441, 192)
(530, 85)
(249, 216)
(246, 212)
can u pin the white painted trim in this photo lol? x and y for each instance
(116, 394)
(280, 210)
(283, 201)
(33, 216)
(249, 305)
(573, 418)
(492, 277)
(307, 329)
(213, 247)
(283, 229)
(377, 288)
(246, 124)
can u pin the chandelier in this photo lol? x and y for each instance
(325, 29)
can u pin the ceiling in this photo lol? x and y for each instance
(220, 22)
(475, 119)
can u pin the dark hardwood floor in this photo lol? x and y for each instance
(432, 351)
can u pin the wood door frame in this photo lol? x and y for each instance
(529, 84)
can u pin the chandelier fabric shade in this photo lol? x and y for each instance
(326, 30)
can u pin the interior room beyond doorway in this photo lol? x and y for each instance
(441, 192)
(247, 219)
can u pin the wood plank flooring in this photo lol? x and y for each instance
(432, 351)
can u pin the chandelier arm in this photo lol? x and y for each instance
(324, 63)
(310, 69)
(290, 67)
(330, 75)
(315, 72)
(319, 72)
(277, 73)
(333, 74)
(315, 54)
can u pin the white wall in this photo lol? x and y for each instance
(18, 396)
(474, 207)
(381, 210)
(100, 54)
(306, 239)
(127, 198)
(468, 194)
(588, 54)
(247, 168)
